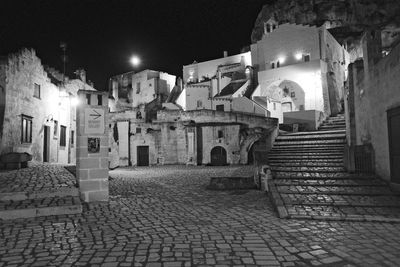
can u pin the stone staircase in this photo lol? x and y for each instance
(310, 181)
(39, 190)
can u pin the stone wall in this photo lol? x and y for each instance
(376, 91)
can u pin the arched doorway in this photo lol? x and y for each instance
(218, 156)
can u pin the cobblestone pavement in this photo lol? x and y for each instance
(164, 216)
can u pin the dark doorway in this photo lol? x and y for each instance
(46, 144)
(199, 140)
(218, 156)
(250, 155)
(394, 144)
(143, 155)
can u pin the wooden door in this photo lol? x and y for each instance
(143, 155)
(218, 156)
(394, 144)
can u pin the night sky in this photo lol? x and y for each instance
(102, 35)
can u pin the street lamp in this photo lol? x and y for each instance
(135, 60)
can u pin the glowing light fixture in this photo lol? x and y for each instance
(135, 61)
(298, 56)
(281, 60)
(74, 101)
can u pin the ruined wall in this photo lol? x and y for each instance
(371, 101)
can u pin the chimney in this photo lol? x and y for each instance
(225, 53)
(81, 73)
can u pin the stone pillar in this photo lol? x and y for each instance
(92, 145)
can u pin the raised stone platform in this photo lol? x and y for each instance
(39, 190)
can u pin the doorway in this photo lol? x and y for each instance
(218, 156)
(394, 144)
(143, 156)
(46, 144)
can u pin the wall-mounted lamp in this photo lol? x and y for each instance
(298, 56)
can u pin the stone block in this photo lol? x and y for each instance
(98, 174)
(82, 152)
(97, 196)
(104, 184)
(88, 163)
(89, 185)
(82, 174)
(104, 163)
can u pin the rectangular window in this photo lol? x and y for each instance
(36, 90)
(278, 64)
(26, 129)
(220, 134)
(274, 106)
(306, 58)
(137, 88)
(88, 97)
(63, 135)
(138, 130)
(99, 100)
(55, 132)
(272, 65)
(72, 137)
(199, 104)
(220, 107)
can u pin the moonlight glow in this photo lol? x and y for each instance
(135, 61)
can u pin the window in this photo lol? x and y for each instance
(272, 65)
(99, 100)
(137, 88)
(55, 132)
(199, 104)
(274, 106)
(306, 58)
(26, 129)
(220, 107)
(72, 138)
(63, 135)
(220, 134)
(138, 130)
(36, 90)
(278, 64)
(88, 99)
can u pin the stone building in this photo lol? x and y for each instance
(373, 110)
(304, 68)
(37, 109)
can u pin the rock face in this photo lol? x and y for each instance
(348, 17)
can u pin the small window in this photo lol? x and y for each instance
(88, 96)
(274, 106)
(26, 129)
(138, 130)
(36, 90)
(55, 132)
(199, 104)
(220, 107)
(268, 28)
(220, 134)
(63, 135)
(278, 64)
(306, 58)
(139, 115)
(137, 88)
(72, 138)
(272, 65)
(99, 100)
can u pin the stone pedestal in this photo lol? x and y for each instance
(92, 145)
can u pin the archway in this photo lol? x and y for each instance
(290, 93)
(218, 156)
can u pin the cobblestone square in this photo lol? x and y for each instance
(165, 216)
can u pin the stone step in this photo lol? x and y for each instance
(308, 169)
(344, 213)
(306, 151)
(30, 208)
(314, 133)
(329, 182)
(305, 164)
(311, 157)
(42, 193)
(305, 161)
(300, 142)
(342, 200)
(318, 137)
(331, 127)
(312, 175)
(320, 191)
(309, 148)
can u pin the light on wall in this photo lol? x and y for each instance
(281, 59)
(298, 56)
(74, 101)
